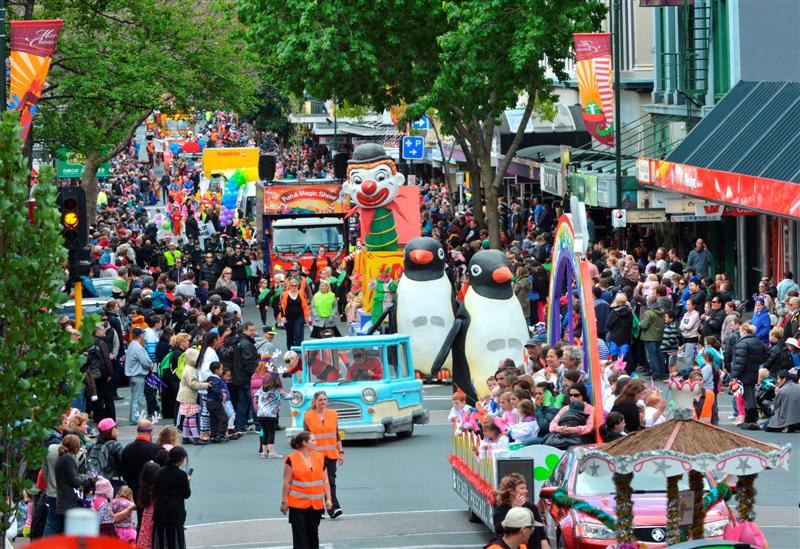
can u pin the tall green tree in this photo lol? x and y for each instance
(468, 60)
(39, 364)
(118, 60)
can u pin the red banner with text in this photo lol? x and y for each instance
(596, 84)
(32, 47)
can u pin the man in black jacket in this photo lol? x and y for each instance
(245, 363)
(136, 454)
(210, 269)
(103, 371)
(748, 356)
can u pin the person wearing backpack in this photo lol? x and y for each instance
(104, 457)
(167, 372)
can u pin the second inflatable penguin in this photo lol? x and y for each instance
(489, 326)
(424, 308)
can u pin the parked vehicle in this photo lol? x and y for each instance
(369, 381)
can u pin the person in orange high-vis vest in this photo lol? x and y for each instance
(306, 491)
(703, 405)
(324, 424)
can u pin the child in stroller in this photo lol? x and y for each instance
(765, 392)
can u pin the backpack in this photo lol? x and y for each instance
(94, 362)
(97, 459)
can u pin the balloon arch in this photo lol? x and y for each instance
(570, 275)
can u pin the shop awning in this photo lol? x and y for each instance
(745, 152)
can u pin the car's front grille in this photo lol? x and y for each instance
(346, 410)
(651, 534)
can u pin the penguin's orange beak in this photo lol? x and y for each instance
(501, 275)
(421, 257)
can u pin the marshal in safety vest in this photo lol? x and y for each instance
(324, 431)
(307, 488)
(705, 412)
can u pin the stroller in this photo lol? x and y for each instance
(765, 394)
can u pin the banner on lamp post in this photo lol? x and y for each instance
(32, 47)
(595, 84)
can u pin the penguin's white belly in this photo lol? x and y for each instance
(497, 330)
(424, 312)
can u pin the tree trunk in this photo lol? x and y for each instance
(490, 195)
(89, 184)
(477, 194)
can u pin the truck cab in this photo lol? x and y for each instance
(369, 381)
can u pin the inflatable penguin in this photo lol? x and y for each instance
(489, 326)
(424, 305)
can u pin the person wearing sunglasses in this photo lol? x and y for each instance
(574, 423)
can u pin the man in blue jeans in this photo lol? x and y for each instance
(652, 332)
(137, 366)
(244, 365)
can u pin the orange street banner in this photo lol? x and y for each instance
(595, 84)
(32, 47)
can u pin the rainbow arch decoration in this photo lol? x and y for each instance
(570, 270)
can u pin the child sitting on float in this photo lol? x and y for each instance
(506, 416)
(460, 413)
(493, 439)
(527, 430)
(614, 427)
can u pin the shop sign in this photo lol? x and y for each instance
(651, 199)
(551, 179)
(590, 189)
(746, 191)
(734, 211)
(646, 216)
(70, 164)
(694, 218)
(643, 170)
(606, 191)
(681, 205)
(619, 219)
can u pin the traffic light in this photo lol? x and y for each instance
(74, 223)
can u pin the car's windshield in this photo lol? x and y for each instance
(308, 238)
(587, 485)
(340, 365)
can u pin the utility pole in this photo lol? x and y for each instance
(616, 22)
(3, 92)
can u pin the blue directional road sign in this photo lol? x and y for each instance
(421, 124)
(413, 147)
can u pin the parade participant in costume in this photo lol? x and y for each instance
(424, 302)
(489, 326)
(323, 423)
(384, 287)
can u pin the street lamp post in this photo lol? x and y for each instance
(616, 23)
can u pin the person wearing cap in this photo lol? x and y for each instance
(137, 366)
(793, 347)
(761, 319)
(264, 342)
(105, 455)
(517, 531)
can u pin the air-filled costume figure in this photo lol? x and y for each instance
(489, 326)
(424, 302)
(373, 183)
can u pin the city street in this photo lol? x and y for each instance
(396, 493)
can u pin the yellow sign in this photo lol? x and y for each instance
(373, 264)
(228, 160)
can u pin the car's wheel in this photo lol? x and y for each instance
(474, 518)
(406, 434)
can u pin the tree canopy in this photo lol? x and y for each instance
(465, 60)
(118, 60)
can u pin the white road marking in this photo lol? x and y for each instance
(378, 514)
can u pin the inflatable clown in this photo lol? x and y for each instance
(373, 183)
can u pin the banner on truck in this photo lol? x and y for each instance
(305, 199)
(32, 47)
(227, 160)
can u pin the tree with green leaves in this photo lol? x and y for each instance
(465, 60)
(39, 363)
(117, 61)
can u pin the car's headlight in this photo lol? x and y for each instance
(369, 395)
(593, 531)
(714, 529)
(297, 398)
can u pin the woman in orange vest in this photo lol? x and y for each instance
(324, 424)
(305, 490)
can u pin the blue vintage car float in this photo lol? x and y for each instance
(369, 381)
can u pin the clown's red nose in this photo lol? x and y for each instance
(369, 187)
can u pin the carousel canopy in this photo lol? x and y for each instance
(678, 446)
